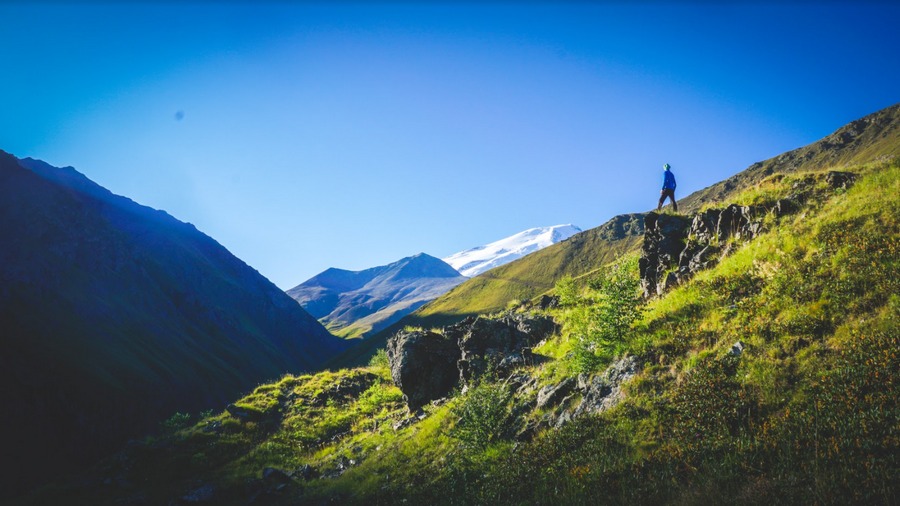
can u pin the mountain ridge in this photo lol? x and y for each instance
(354, 303)
(871, 137)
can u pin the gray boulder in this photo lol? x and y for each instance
(604, 390)
(498, 344)
(551, 395)
(423, 365)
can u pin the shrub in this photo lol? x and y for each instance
(380, 360)
(567, 291)
(176, 422)
(379, 396)
(602, 327)
(482, 415)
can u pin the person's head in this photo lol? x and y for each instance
(666, 166)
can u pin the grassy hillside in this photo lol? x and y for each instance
(876, 136)
(806, 412)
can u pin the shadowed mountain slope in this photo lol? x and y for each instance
(114, 315)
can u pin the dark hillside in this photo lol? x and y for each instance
(113, 316)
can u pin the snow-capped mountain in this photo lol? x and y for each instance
(474, 261)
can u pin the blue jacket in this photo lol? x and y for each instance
(668, 180)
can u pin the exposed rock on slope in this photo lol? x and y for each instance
(676, 247)
(599, 392)
(497, 345)
(664, 238)
(427, 365)
(423, 365)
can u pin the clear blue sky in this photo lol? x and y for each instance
(303, 136)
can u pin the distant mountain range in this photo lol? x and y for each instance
(113, 316)
(473, 262)
(354, 303)
(362, 303)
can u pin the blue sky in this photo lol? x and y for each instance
(304, 136)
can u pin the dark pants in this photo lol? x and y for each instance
(667, 192)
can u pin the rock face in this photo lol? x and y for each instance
(498, 345)
(423, 365)
(428, 365)
(598, 393)
(551, 395)
(676, 247)
(664, 237)
(605, 390)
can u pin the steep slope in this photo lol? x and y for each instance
(115, 315)
(359, 303)
(475, 261)
(864, 140)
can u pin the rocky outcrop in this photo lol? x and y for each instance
(551, 395)
(677, 247)
(604, 390)
(428, 365)
(664, 237)
(561, 400)
(423, 365)
(498, 345)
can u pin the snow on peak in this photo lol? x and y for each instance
(473, 262)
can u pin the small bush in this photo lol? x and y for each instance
(176, 422)
(380, 360)
(567, 291)
(483, 415)
(379, 396)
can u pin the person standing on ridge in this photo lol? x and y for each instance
(668, 189)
